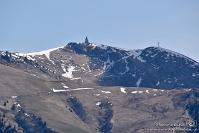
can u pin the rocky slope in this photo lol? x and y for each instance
(151, 67)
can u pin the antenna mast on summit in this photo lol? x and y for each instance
(158, 44)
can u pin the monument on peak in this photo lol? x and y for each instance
(86, 41)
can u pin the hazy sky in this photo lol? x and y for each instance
(33, 25)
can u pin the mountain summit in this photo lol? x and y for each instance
(152, 67)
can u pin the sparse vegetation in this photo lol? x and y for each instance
(77, 107)
(32, 123)
(5, 127)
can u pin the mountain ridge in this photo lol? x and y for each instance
(152, 67)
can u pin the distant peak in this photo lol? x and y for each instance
(169, 53)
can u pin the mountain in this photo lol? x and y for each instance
(84, 87)
(152, 67)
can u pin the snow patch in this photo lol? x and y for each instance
(33, 75)
(107, 92)
(194, 75)
(136, 55)
(157, 84)
(97, 94)
(139, 81)
(126, 66)
(140, 92)
(77, 89)
(108, 64)
(93, 45)
(54, 90)
(98, 103)
(82, 89)
(123, 90)
(76, 78)
(26, 114)
(134, 92)
(3, 53)
(30, 58)
(65, 86)
(69, 72)
(188, 89)
(13, 97)
(45, 52)
(18, 105)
